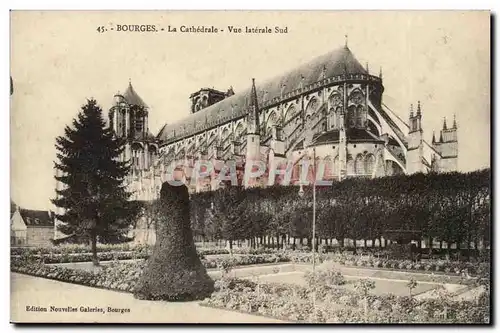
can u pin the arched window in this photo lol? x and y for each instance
(369, 164)
(312, 107)
(336, 166)
(338, 110)
(238, 132)
(136, 155)
(350, 166)
(272, 120)
(351, 116)
(225, 135)
(359, 116)
(290, 113)
(359, 165)
(328, 173)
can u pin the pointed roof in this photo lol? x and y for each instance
(441, 136)
(13, 208)
(254, 104)
(454, 122)
(433, 137)
(132, 97)
(444, 124)
(331, 64)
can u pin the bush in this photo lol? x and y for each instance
(326, 276)
(174, 272)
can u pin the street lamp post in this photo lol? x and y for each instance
(314, 214)
(301, 194)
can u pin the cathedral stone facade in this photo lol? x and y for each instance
(331, 108)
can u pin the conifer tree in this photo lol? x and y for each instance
(94, 198)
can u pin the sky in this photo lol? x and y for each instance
(59, 59)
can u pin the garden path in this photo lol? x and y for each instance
(32, 291)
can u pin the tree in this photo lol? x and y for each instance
(229, 208)
(94, 198)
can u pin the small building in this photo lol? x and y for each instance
(31, 227)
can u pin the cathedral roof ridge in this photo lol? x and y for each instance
(334, 63)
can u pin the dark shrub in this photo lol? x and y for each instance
(174, 272)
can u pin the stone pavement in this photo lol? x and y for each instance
(28, 291)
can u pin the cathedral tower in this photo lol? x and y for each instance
(128, 117)
(415, 142)
(448, 147)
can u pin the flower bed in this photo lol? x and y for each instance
(289, 302)
(337, 305)
(103, 250)
(85, 257)
(77, 248)
(118, 274)
(80, 253)
(439, 266)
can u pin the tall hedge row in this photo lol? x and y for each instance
(450, 207)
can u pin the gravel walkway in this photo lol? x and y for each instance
(27, 291)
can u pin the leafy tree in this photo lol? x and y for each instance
(229, 209)
(94, 198)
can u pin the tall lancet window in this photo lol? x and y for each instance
(351, 116)
(336, 165)
(369, 164)
(359, 165)
(328, 167)
(123, 122)
(359, 116)
(350, 166)
(139, 121)
(356, 101)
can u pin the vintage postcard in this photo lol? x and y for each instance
(250, 167)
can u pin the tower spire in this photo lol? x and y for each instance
(254, 107)
(346, 40)
(444, 124)
(433, 137)
(440, 136)
(454, 121)
(380, 73)
(411, 110)
(419, 111)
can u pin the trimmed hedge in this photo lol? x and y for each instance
(174, 271)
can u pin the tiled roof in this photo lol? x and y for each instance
(331, 136)
(34, 218)
(149, 136)
(358, 134)
(334, 63)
